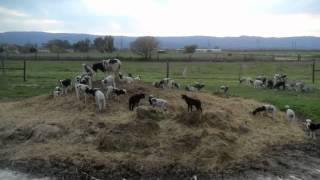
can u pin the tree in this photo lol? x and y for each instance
(28, 48)
(144, 46)
(104, 44)
(82, 46)
(190, 49)
(57, 45)
(1, 49)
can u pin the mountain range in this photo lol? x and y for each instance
(241, 42)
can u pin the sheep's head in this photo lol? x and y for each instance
(183, 96)
(286, 106)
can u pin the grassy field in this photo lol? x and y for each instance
(42, 77)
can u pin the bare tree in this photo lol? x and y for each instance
(144, 46)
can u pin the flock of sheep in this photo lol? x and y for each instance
(279, 81)
(84, 87)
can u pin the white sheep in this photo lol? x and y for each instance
(290, 115)
(100, 100)
(257, 83)
(108, 81)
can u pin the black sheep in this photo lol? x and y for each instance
(65, 82)
(98, 66)
(134, 100)
(280, 84)
(192, 102)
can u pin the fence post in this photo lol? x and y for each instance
(313, 71)
(24, 70)
(168, 68)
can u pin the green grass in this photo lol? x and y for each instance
(42, 77)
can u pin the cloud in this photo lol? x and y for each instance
(11, 13)
(13, 20)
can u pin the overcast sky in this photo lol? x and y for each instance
(277, 18)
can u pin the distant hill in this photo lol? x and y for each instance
(242, 42)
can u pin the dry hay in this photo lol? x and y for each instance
(65, 129)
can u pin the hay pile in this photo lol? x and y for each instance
(65, 132)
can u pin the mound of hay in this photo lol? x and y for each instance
(144, 112)
(146, 140)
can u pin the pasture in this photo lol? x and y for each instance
(42, 77)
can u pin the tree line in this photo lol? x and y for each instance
(144, 46)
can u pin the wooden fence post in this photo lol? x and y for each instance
(168, 68)
(313, 71)
(24, 70)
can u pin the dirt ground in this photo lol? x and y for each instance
(64, 138)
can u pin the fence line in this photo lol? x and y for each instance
(23, 69)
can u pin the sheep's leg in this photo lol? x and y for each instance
(191, 107)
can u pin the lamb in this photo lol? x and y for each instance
(57, 91)
(312, 128)
(270, 83)
(266, 109)
(290, 115)
(99, 97)
(192, 102)
(108, 81)
(81, 90)
(257, 83)
(157, 102)
(247, 80)
(280, 84)
(114, 91)
(65, 85)
(134, 100)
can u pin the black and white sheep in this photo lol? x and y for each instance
(312, 128)
(266, 109)
(135, 99)
(192, 102)
(65, 85)
(87, 69)
(195, 87)
(57, 92)
(99, 97)
(125, 79)
(224, 89)
(112, 66)
(157, 102)
(114, 91)
(99, 66)
(81, 91)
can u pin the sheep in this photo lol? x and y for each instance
(312, 128)
(114, 91)
(257, 83)
(108, 81)
(57, 91)
(290, 115)
(270, 83)
(262, 78)
(224, 89)
(192, 102)
(99, 97)
(65, 84)
(88, 70)
(137, 78)
(157, 102)
(113, 66)
(134, 100)
(266, 109)
(84, 79)
(80, 90)
(166, 83)
(247, 80)
(99, 66)
(280, 84)
(196, 87)
(125, 79)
